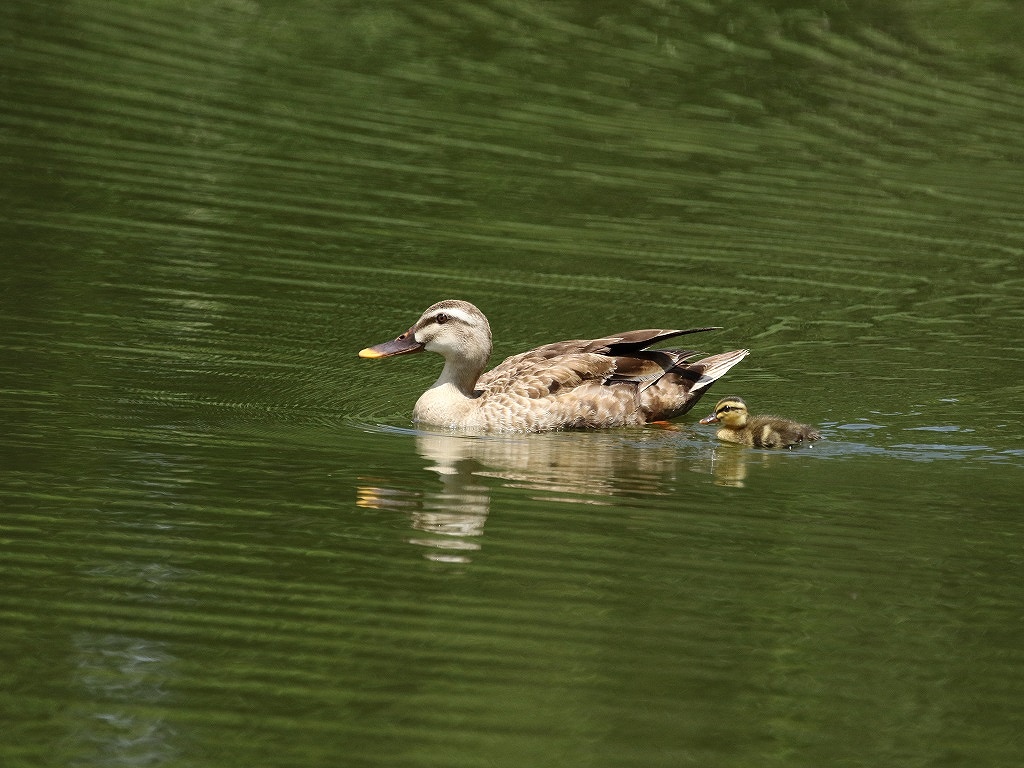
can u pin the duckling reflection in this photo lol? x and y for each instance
(729, 468)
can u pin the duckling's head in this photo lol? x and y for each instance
(457, 330)
(730, 412)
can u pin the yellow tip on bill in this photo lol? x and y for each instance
(370, 352)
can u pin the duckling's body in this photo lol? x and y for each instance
(738, 426)
(614, 381)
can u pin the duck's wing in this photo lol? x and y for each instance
(564, 365)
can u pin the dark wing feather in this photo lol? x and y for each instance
(646, 366)
(635, 341)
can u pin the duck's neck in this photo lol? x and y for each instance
(460, 374)
(449, 398)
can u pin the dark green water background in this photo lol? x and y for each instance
(221, 541)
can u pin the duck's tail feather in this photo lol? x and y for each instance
(681, 387)
(715, 367)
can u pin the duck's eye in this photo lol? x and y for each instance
(441, 318)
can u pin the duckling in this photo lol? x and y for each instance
(614, 381)
(738, 426)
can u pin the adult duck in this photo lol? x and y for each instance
(738, 426)
(615, 381)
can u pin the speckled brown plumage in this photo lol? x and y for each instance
(580, 384)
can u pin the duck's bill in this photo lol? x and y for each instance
(712, 419)
(403, 345)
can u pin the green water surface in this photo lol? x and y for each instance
(222, 541)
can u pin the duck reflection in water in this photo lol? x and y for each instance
(559, 467)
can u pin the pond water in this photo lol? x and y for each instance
(225, 544)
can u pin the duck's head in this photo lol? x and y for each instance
(457, 330)
(730, 412)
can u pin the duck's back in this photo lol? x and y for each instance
(594, 384)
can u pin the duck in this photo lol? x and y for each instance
(738, 426)
(583, 384)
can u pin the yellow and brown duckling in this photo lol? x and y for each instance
(738, 426)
